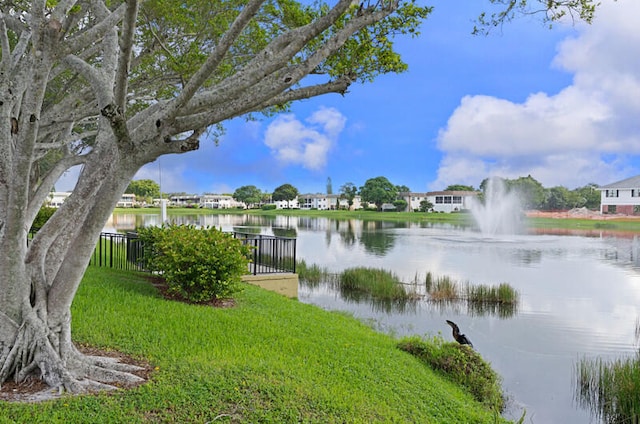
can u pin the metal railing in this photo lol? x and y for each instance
(270, 254)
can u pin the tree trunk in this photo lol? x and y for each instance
(35, 325)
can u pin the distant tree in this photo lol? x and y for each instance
(403, 189)
(425, 206)
(459, 187)
(557, 198)
(147, 189)
(348, 191)
(329, 186)
(378, 191)
(400, 205)
(249, 195)
(589, 196)
(266, 198)
(531, 191)
(285, 192)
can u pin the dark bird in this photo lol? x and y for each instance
(459, 337)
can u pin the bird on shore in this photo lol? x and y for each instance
(459, 337)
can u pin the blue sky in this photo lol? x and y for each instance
(561, 105)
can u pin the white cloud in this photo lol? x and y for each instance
(579, 135)
(306, 144)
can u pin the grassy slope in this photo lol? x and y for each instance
(269, 359)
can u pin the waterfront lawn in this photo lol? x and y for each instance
(268, 359)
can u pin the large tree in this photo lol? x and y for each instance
(111, 85)
(144, 188)
(378, 191)
(249, 195)
(285, 192)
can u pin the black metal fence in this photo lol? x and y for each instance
(270, 254)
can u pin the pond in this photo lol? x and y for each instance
(579, 293)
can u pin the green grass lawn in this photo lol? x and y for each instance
(269, 359)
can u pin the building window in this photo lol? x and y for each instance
(457, 200)
(439, 199)
(447, 199)
(635, 192)
(612, 193)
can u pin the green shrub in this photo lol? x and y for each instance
(461, 364)
(42, 217)
(198, 264)
(269, 207)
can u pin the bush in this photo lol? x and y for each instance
(198, 264)
(461, 364)
(269, 207)
(42, 217)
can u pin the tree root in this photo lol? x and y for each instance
(33, 354)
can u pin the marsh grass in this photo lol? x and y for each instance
(481, 298)
(269, 359)
(312, 275)
(443, 288)
(378, 283)
(610, 389)
(482, 293)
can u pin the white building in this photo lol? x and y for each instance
(57, 198)
(326, 202)
(622, 197)
(220, 201)
(442, 201)
(287, 204)
(127, 200)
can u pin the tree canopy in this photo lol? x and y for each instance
(285, 192)
(378, 191)
(249, 195)
(144, 188)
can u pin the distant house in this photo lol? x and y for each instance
(220, 201)
(326, 202)
(57, 198)
(126, 201)
(185, 200)
(442, 201)
(621, 197)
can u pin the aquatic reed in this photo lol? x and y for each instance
(378, 283)
(610, 389)
(442, 288)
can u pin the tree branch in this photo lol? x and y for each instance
(4, 44)
(81, 41)
(126, 53)
(214, 59)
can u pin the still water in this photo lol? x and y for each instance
(579, 293)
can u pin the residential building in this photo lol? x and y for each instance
(442, 201)
(57, 198)
(127, 200)
(185, 200)
(220, 201)
(287, 204)
(622, 197)
(326, 202)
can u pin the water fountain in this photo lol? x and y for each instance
(501, 211)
